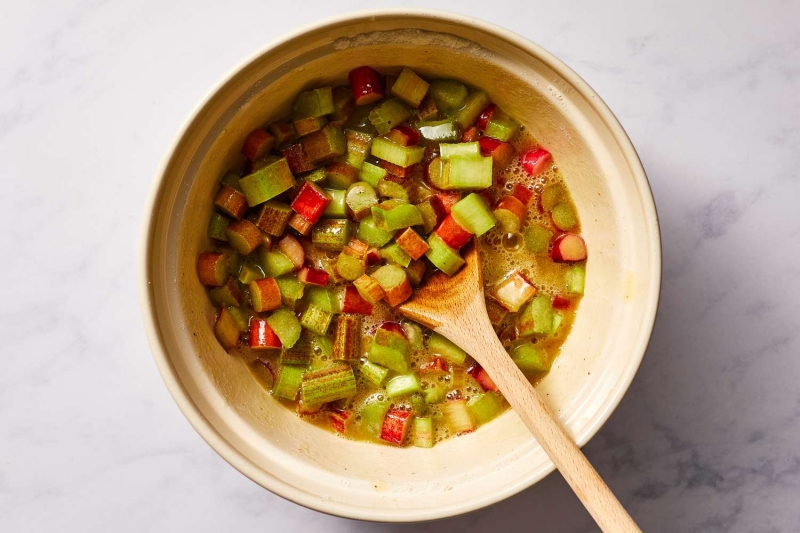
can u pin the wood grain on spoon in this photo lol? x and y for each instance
(454, 307)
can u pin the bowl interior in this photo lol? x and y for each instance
(301, 462)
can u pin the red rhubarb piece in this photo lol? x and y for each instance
(568, 248)
(437, 364)
(297, 158)
(501, 152)
(395, 425)
(561, 303)
(523, 194)
(486, 116)
(312, 276)
(535, 160)
(452, 233)
(262, 337)
(257, 144)
(482, 377)
(352, 302)
(338, 419)
(404, 135)
(393, 326)
(366, 84)
(310, 202)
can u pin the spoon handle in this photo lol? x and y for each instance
(587, 484)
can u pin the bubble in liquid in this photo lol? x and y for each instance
(512, 241)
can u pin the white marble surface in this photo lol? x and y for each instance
(92, 93)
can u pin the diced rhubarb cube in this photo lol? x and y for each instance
(410, 241)
(300, 224)
(501, 152)
(212, 268)
(486, 116)
(283, 132)
(432, 211)
(482, 377)
(415, 271)
(306, 409)
(272, 217)
(396, 327)
(514, 291)
(369, 289)
(325, 144)
(340, 174)
(226, 329)
(561, 303)
(231, 202)
(510, 213)
(396, 170)
(470, 135)
(437, 364)
(352, 302)
(297, 158)
(452, 233)
(262, 337)
(312, 276)
(395, 425)
(338, 419)
(568, 248)
(291, 248)
(523, 194)
(448, 199)
(404, 135)
(265, 294)
(366, 84)
(257, 144)
(395, 284)
(535, 160)
(310, 202)
(374, 256)
(243, 236)
(356, 248)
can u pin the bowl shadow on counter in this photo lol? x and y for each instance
(648, 451)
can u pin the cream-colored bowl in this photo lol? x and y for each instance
(307, 465)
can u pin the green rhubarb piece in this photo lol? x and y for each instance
(300, 352)
(291, 290)
(340, 175)
(395, 255)
(322, 298)
(389, 349)
(308, 125)
(275, 263)
(313, 103)
(552, 195)
(347, 339)
(474, 214)
(501, 127)
(331, 235)
(343, 103)
(409, 87)
(372, 174)
(449, 95)
(439, 131)
(325, 144)
(337, 207)
(323, 344)
(286, 326)
(283, 132)
(372, 415)
(418, 404)
(268, 182)
(242, 316)
(429, 215)
(415, 271)
(466, 173)
(558, 318)
(402, 385)
(442, 256)
(576, 279)
(234, 261)
(217, 226)
(358, 146)
(389, 277)
(349, 267)
(529, 358)
(474, 104)
(375, 374)
(316, 319)
(422, 431)
(359, 198)
(389, 114)
(403, 156)
(231, 179)
(392, 189)
(537, 239)
(228, 294)
(328, 384)
(416, 341)
(317, 176)
(371, 234)
(450, 150)
(445, 348)
(250, 272)
(288, 383)
(484, 407)
(564, 216)
(434, 394)
(536, 318)
(392, 215)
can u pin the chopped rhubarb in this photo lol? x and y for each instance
(291, 248)
(510, 213)
(432, 211)
(257, 144)
(485, 116)
(212, 268)
(568, 248)
(304, 409)
(396, 327)
(272, 217)
(267, 182)
(231, 202)
(410, 241)
(297, 158)
(307, 125)
(501, 152)
(300, 224)
(369, 289)
(452, 234)
(347, 339)
(283, 132)
(448, 199)
(482, 377)
(523, 194)
(535, 161)
(243, 236)
(265, 294)
(325, 144)
(396, 170)
(561, 303)
(437, 364)
(312, 276)
(404, 136)
(373, 256)
(262, 337)
(514, 291)
(395, 426)
(340, 175)
(226, 329)
(470, 135)
(366, 84)
(338, 419)
(394, 282)
(352, 302)
(415, 272)
(310, 202)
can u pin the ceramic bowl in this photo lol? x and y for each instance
(269, 443)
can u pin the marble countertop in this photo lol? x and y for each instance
(706, 440)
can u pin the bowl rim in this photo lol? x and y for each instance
(252, 471)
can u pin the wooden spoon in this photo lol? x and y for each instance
(454, 307)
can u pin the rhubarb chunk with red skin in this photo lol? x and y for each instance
(307, 125)
(340, 175)
(561, 303)
(313, 276)
(297, 158)
(257, 144)
(347, 338)
(410, 241)
(283, 132)
(300, 224)
(226, 329)
(568, 248)
(395, 284)
(483, 378)
(352, 302)
(437, 364)
(339, 420)
(369, 289)
(501, 152)
(325, 144)
(510, 213)
(243, 236)
(535, 161)
(228, 294)
(265, 294)
(432, 211)
(470, 135)
(272, 217)
(231, 202)
(310, 202)
(262, 337)
(291, 248)
(448, 199)
(395, 426)
(452, 233)
(514, 291)
(366, 84)
(404, 136)
(415, 272)
(485, 116)
(212, 268)
(523, 194)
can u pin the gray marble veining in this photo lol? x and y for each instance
(92, 91)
